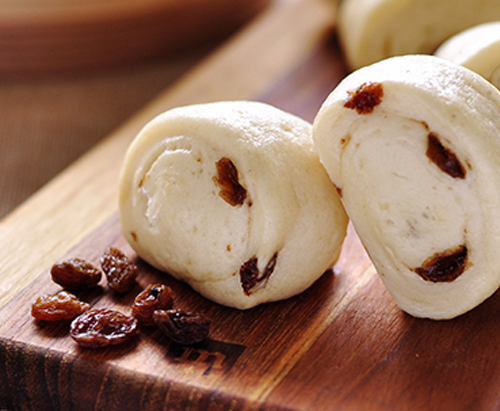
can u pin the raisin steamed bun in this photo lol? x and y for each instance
(477, 48)
(413, 144)
(231, 198)
(372, 30)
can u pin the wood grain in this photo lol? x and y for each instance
(247, 355)
(47, 36)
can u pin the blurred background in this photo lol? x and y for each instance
(70, 73)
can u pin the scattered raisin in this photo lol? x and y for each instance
(365, 98)
(249, 273)
(227, 179)
(102, 327)
(75, 274)
(105, 327)
(182, 327)
(153, 297)
(119, 270)
(56, 307)
(444, 267)
(444, 158)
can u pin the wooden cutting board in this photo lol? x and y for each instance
(53, 36)
(343, 344)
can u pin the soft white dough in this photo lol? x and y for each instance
(172, 212)
(408, 206)
(372, 30)
(477, 48)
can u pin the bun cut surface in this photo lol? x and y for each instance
(413, 145)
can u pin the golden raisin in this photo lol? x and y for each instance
(56, 307)
(365, 98)
(182, 327)
(102, 327)
(119, 270)
(75, 274)
(153, 297)
(227, 179)
(444, 267)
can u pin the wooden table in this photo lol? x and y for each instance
(343, 344)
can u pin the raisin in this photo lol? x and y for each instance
(119, 270)
(56, 307)
(365, 98)
(444, 158)
(102, 327)
(153, 297)
(75, 274)
(444, 267)
(227, 179)
(182, 327)
(249, 273)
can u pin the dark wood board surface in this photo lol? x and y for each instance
(343, 344)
